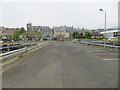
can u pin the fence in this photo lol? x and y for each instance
(97, 44)
(13, 53)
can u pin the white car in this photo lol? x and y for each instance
(1, 42)
(75, 40)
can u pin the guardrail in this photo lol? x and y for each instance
(12, 52)
(18, 51)
(1, 48)
(113, 46)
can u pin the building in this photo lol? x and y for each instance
(110, 33)
(2, 28)
(45, 31)
(116, 34)
(100, 30)
(1, 34)
(61, 32)
(96, 35)
(29, 26)
(6, 34)
(80, 31)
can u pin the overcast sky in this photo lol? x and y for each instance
(78, 14)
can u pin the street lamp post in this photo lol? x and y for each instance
(105, 25)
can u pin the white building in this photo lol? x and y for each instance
(109, 33)
(61, 31)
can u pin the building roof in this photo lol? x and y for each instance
(95, 34)
(7, 32)
(109, 31)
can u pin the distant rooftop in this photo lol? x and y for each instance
(7, 31)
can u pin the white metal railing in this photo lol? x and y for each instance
(12, 54)
(16, 46)
(3, 54)
(18, 51)
(107, 45)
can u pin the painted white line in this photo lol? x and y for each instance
(110, 59)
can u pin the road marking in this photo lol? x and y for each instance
(10, 66)
(110, 59)
(10, 61)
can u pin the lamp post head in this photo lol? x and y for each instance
(101, 9)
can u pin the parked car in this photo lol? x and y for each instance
(113, 39)
(1, 41)
(75, 41)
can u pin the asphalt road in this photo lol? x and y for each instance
(65, 65)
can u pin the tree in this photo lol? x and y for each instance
(76, 35)
(22, 30)
(16, 34)
(33, 34)
(87, 32)
(83, 29)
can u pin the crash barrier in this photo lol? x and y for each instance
(10, 54)
(106, 45)
(8, 48)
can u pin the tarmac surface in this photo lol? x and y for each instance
(65, 65)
